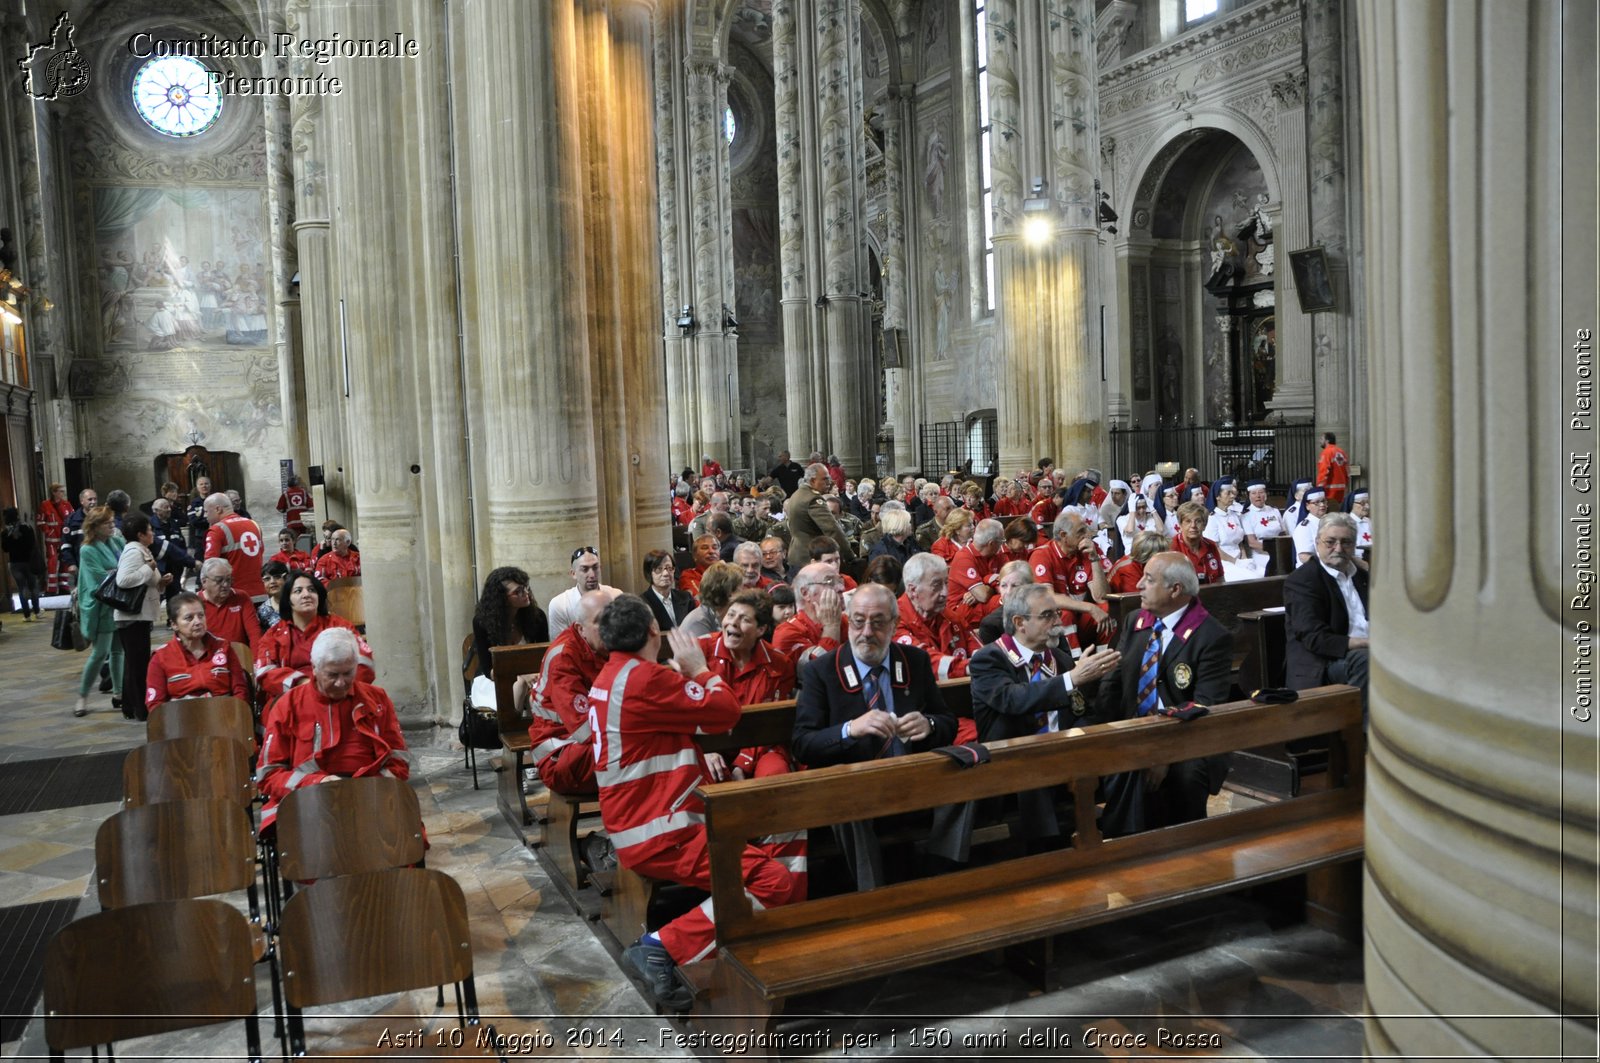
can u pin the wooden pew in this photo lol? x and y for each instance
(1280, 548)
(765, 957)
(1225, 601)
(1269, 773)
(762, 724)
(510, 662)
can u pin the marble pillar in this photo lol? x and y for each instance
(714, 360)
(899, 382)
(805, 397)
(1046, 318)
(1294, 396)
(277, 132)
(1480, 900)
(1340, 377)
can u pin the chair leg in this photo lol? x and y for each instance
(297, 1030)
(469, 990)
(277, 992)
(252, 1038)
(461, 1011)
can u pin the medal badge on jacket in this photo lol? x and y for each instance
(1182, 676)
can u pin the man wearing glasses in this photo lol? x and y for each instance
(871, 698)
(230, 615)
(1326, 612)
(563, 611)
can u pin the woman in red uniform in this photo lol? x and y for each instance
(283, 655)
(755, 672)
(295, 559)
(195, 664)
(1125, 575)
(1192, 543)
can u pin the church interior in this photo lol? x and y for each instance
(917, 235)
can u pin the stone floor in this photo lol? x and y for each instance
(1227, 971)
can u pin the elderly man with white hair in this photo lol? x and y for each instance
(334, 727)
(975, 575)
(808, 517)
(747, 555)
(230, 615)
(339, 563)
(237, 540)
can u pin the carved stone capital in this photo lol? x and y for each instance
(1290, 91)
(707, 66)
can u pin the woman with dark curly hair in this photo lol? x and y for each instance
(507, 615)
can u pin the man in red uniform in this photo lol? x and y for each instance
(925, 625)
(1333, 470)
(562, 753)
(705, 555)
(196, 663)
(814, 630)
(975, 575)
(230, 615)
(237, 540)
(332, 727)
(1070, 562)
(644, 718)
(341, 562)
(51, 519)
(294, 503)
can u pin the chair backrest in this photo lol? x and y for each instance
(225, 716)
(507, 663)
(469, 664)
(371, 934)
(247, 663)
(347, 827)
(172, 850)
(148, 969)
(344, 599)
(181, 769)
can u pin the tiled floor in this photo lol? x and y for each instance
(1223, 970)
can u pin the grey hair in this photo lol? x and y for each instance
(1017, 566)
(1020, 603)
(1175, 568)
(214, 565)
(747, 549)
(1338, 520)
(894, 521)
(815, 470)
(922, 567)
(988, 532)
(336, 645)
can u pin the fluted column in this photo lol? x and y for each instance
(277, 127)
(1294, 397)
(1480, 892)
(898, 382)
(715, 357)
(523, 288)
(683, 421)
(792, 67)
(1046, 316)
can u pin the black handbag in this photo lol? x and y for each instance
(64, 635)
(478, 729)
(123, 599)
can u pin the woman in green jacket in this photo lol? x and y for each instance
(101, 549)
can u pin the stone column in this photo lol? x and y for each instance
(714, 362)
(898, 382)
(793, 96)
(1046, 318)
(523, 287)
(1294, 397)
(1481, 803)
(1340, 377)
(276, 122)
(683, 443)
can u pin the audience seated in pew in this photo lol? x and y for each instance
(563, 612)
(1013, 574)
(1325, 603)
(815, 629)
(648, 767)
(196, 663)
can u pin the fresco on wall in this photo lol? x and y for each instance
(181, 269)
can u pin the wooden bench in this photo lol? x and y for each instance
(764, 723)
(1227, 602)
(510, 662)
(765, 957)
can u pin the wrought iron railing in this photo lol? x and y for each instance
(1276, 453)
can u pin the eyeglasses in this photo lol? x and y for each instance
(220, 581)
(517, 590)
(874, 623)
(1342, 544)
(580, 551)
(1045, 614)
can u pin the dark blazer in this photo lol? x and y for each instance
(1006, 705)
(682, 605)
(1317, 622)
(1201, 646)
(830, 694)
(808, 517)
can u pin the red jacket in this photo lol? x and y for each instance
(234, 620)
(237, 540)
(303, 730)
(293, 504)
(1207, 561)
(173, 674)
(1044, 511)
(644, 717)
(297, 560)
(560, 703)
(710, 468)
(283, 654)
(1125, 576)
(682, 511)
(1068, 574)
(800, 638)
(330, 566)
(1333, 473)
(51, 518)
(947, 643)
(944, 547)
(968, 568)
(1006, 508)
(768, 677)
(689, 580)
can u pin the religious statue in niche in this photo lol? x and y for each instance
(936, 157)
(944, 305)
(1224, 256)
(1263, 365)
(1256, 236)
(1169, 362)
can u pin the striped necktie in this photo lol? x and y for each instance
(874, 695)
(1149, 668)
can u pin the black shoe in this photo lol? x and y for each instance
(105, 685)
(660, 974)
(597, 853)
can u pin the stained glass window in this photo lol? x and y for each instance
(174, 95)
(729, 128)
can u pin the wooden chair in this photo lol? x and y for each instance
(372, 934)
(181, 769)
(174, 850)
(225, 716)
(515, 745)
(149, 969)
(469, 669)
(247, 661)
(344, 599)
(347, 827)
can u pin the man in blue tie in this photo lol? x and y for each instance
(1174, 654)
(873, 697)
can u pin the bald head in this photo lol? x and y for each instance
(217, 505)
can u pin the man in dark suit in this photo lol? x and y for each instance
(1025, 683)
(808, 517)
(871, 698)
(1325, 606)
(1173, 654)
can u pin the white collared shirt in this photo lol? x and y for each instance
(1352, 601)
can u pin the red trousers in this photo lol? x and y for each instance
(692, 935)
(569, 770)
